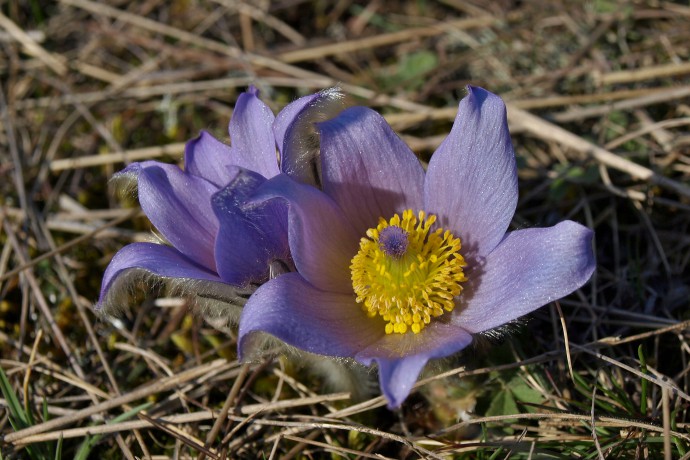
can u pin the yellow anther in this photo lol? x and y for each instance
(406, 273)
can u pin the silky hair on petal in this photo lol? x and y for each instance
(124, 288)
(303, 137)
(223, 314)
(337, 374)
(219, 304)
(124, 185)
(342, 375)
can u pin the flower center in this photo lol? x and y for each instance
(407, 274)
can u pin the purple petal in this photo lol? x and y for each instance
(397, 377)
(179, 206)
(401, 357)
(156, 259)
(367, 169)
(471, 181)
(528, 269)
(251, 135)
(208, 158)
(291, 309)
(322, 241)
(287, 116)
(297, 136)
(248, 239)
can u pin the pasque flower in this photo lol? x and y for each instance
(398, 266)
(217, 249)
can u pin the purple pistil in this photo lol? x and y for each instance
(393, 241)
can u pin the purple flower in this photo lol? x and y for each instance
(218, 250)
(398, 266)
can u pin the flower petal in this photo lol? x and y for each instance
(179, 206)
(297, 136)
(321, 240)
(397, 377)
(251, 135)
(367, 169)
(292, 310)
(248, 238)
(287, 116)
(528, 269)
(151, 259)
(207, 157)
(401, 357)
(471, 181)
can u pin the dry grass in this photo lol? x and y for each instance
(598, 98)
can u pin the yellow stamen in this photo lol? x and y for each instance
(410, 274)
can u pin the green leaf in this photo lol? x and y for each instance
(18, 417)
(503, 404)
(91, 441)
(416, 65)
(58, 449)
(524, 393)
(411, 71)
